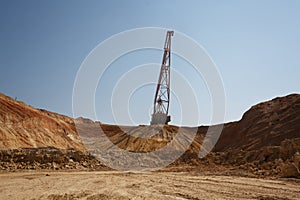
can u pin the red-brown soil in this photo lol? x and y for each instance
(266, 141)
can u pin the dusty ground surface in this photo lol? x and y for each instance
(155, 185)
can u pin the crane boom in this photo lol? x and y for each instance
(162, 94)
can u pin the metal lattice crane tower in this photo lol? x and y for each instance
(162, 94)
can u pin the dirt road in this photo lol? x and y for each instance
(156, 185)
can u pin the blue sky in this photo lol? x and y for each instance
(255, 45)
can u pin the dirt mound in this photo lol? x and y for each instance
(265, 124)
(48, 158)
(22, 126)
(266, 141)
(282, 160)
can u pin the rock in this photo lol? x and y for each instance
(296, 159)
(55, 166)
(85, 164)
(289, 170)
(267, 165)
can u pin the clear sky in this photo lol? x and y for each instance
(255, 45)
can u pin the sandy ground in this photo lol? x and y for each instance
(155, 185)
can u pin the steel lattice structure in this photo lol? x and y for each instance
(162, 94)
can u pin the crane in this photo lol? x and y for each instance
(162, 94)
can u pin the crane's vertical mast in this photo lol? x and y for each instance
(162, 94)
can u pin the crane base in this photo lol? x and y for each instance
(160, 118)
